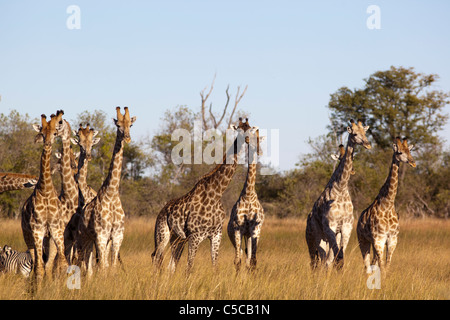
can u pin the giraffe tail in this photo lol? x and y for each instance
(178, 231)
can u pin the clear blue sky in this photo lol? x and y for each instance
(155, 55)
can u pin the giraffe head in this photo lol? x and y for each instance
(402, 151)
(48, 130)
(124, 123)
(340, 155)
(357, 134)
(251, 134)
(6, 249)
(85, 138)
(73, 162)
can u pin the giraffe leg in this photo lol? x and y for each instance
(162, 238)
(323, 250)
(68, 245)
(116, 243)
(50, 247)
(88, 259)
(313, 243)
(254, 245)
(194, 241)
(248, 250)
(378, 252)
(364, 246)
(102, 254)
(85, 246)
(58, 238)
(215, 244)
(391, 245)
(38, 250)
(374, 256)
(334, 253)
(236, 238)
(346, 231)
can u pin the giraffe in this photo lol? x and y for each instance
(103, 218)
(41, 212)
(378, 224)
(247, 215)
(69, 187)
(85, 139)
(16, 181)
(199, 214)
(330, 222)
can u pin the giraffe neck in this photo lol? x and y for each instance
(16, 181)
(220, 177)
(341, 175)
(112, 181)
(81, 176)
(45, 183)
(68, 185)
(389, 190)
(249, 185)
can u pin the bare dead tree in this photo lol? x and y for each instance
(204, 98)
(216, 122)
(236, 102)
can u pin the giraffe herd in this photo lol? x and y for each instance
(65, 228)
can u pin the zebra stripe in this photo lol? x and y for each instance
(15, 262)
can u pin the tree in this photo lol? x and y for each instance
(20, 154)
(395, 102)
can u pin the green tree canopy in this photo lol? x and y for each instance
(395, 102)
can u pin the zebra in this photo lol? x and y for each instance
(13, 261)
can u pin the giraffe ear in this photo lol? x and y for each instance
(366, 128)
(74, 133)
(395, 147)
(233, 127)
(133, 119)
(39, 138)
(94, 133)
(349, 130)
(58, 155)
(74, 141)
(95, 141)
(37, 127)
(335, 157)
(411, 147)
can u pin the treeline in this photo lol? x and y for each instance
(395, 102)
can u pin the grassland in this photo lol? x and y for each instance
(420, 269)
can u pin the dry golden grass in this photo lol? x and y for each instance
(420, 269)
